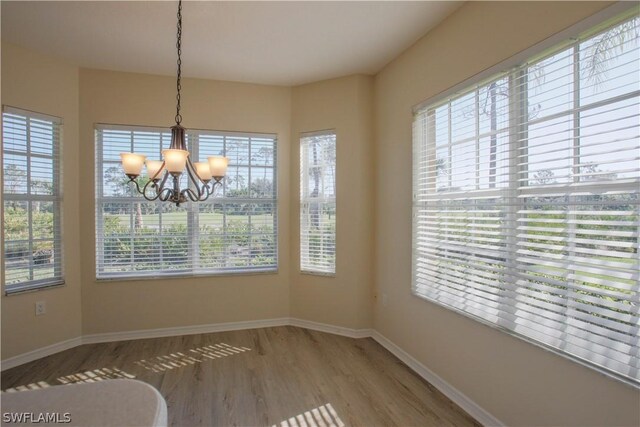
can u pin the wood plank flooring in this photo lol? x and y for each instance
(283, 376)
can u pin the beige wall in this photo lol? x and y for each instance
(39, 83)
(517, 382)
(137, 99)
(345, 105)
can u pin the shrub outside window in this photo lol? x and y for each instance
(234, 231)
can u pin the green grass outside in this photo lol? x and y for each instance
(204, 218)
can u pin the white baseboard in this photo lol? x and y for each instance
(21, 359)
(447, 389)
(183, 330)
(460, 399)
(331, 329)
(39, 353)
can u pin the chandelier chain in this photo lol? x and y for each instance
(179, 75)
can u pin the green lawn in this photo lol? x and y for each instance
(204, 218)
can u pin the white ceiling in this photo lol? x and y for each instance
(282, 43)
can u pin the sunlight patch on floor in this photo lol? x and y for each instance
(190, 357)
(95, 375)
(79, 377)
(32, 386)
(322, 416)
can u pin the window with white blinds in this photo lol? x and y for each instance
(31, 200)
(234, 231)
(318, 203)
(527, 200)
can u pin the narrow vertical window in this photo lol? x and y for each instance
(31, 200)
(318, 203)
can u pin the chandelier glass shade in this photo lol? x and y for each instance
(164, 175)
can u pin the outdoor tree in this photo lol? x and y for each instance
(15, 180)
(606, 47)
(544, 177)
(323, 153)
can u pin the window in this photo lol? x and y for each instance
(318, 203)
(235, 230)
(527, 200)
(32, 200)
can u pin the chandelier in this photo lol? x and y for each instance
(164, 175)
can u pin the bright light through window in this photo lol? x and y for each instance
(234, 231)
(527, 200)
(318, 203)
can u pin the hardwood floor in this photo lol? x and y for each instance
(283, 376)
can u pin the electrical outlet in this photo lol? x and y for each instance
(41, 308)
(384, 300)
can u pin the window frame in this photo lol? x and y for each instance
(302, 200)
(56, 199)
(593, 25)
(192, 220)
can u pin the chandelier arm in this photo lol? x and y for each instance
(204, 193)
(193, 176)
(144, 191)
(191, 194)
(135, 181)
(207, 191)
(151, 199)
(165, 194)
(212, 189)
(217, 182)
(160, 186)
(153, 185)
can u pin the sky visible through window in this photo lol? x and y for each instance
(584, 78)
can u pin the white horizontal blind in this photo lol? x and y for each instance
(527, 200)
(32, 200)
(318, 203)
(238, 228)
(234, 231)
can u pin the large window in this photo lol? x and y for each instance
(32, 200)
(235, 230)
(318, 203)
(527, 200)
